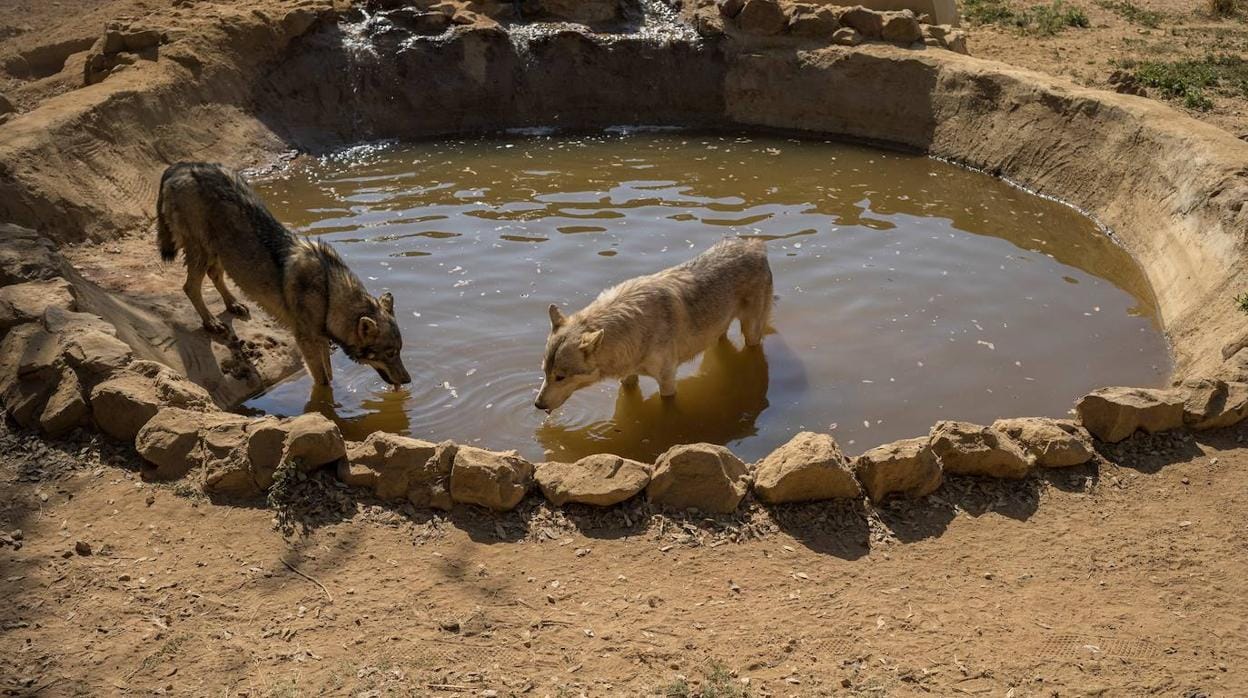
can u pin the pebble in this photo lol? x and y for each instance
(82, 548)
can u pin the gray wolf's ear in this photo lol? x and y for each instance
(556, 317)
(366, 328)
(591, 340)
(387, 302)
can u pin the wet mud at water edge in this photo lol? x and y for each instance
(908, 290)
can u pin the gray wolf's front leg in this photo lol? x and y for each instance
(629, 381)
(316, 356)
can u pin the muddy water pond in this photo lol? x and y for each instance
(908, 290)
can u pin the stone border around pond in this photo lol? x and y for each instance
(62, 369)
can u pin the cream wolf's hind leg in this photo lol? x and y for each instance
(231, 303)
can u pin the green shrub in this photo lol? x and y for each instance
(1223, 8)
(1047, 20)
(1132, 12)
(1042, 20)
(987, 12)
(1192, 80)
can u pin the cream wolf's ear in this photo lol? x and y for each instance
(387, 302)
(366, 328)
(556, 317)
(591, 340)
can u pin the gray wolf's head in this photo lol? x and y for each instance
(378, 342)
(569, 363)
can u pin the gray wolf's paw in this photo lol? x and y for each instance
(238, 310)
(216, 327)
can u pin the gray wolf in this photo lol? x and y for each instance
(221, 226)
(652, 324)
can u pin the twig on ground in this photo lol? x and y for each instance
(310, 579)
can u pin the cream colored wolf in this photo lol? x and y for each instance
(222, 227)
(652, 324)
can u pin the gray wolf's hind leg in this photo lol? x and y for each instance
(629, 381)
(194, 288)
(231, 303)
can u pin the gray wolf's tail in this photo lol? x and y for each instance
(165, 242)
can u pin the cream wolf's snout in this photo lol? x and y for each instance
(650, 325)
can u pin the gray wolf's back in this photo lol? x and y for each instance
(213, 217)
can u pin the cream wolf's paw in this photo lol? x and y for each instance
(238, 310)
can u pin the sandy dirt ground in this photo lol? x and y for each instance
(1089, 56)
(1128, 577)
(1107, 580)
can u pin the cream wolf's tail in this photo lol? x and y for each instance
(165, 241)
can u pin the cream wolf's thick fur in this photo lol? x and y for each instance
(222, 227)
(651, 324)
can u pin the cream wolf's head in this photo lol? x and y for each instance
(378, 343)
(569, 364)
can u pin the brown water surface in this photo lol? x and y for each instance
(908, 290)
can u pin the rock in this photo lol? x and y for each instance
(26, 302)
(123, 404)
(60, 321)
(699, 476)
(225, 470)
(390, 464)
(1213, 404)
(1054, 443)
(708, 24)
(846, 36)
(417, 22)
(963, 448)
(810, 467)
(95, 353)
(298, 21)
(66, 407)
(945, 36)
(6, 104)
(313, 441)
(1113, 414)
(138, 40)
(1202, 398)
(113, 42)
(730, 8)
(901, 28)
(266, 444)
(907, 467)
(26, 256)
(817, 22)
(868, 23)
(490, 479)
(601, 480)
(581, 11)
(83, 548)
(28, 372)
(763, 17)
(178, 441)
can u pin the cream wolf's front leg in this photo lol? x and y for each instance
(667, 380)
